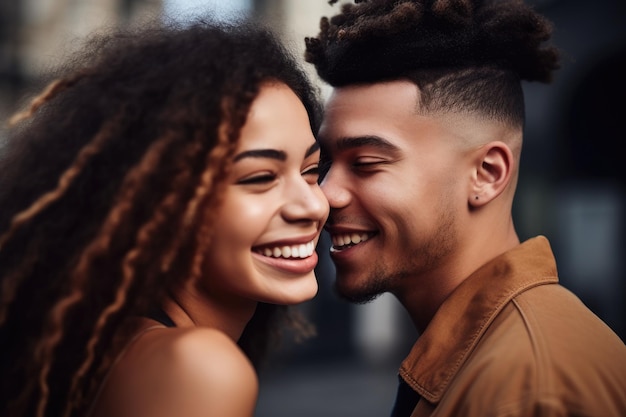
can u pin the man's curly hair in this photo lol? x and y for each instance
(464, 43)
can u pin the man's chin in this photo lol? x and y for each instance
(356, 295)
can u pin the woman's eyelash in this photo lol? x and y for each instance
(259, 179)
(315, 170)
(265, 178)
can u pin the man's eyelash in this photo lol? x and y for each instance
(367, 163)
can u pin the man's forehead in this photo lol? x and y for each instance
(359, 103)
(376, 87)
(359, 116)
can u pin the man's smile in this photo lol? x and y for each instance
(342, 241)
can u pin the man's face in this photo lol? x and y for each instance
(397, 186)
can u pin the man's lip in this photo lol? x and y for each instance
(338, 230)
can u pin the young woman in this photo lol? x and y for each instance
(158, 206)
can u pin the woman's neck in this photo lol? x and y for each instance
(193, 308)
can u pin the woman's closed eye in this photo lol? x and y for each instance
(312, 173)
(263, 178)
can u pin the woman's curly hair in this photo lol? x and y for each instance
(108, 185)
(460, 45)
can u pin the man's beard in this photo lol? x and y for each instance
(422, 259)
(376, 284)
(387, 278)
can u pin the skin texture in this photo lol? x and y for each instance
(183, 371)
(197, 369)
(432, 193)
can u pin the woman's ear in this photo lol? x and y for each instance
(493, 172)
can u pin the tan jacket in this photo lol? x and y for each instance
(511, 341)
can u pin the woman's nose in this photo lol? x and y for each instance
(306, 201)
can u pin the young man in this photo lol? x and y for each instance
(422, 138)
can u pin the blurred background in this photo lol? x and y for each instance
(572, 186)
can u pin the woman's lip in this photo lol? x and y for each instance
(299, 240)
(298, 266)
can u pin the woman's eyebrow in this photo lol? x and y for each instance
(312, 149)
(261, 153)
(272, 153)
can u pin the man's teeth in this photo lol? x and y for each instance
(348, 239)
(303, 250)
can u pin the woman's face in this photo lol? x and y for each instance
(273, 209)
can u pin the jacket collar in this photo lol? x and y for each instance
(458, 325)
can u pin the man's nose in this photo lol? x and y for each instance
(334, 187)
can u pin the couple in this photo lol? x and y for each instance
(162, 199)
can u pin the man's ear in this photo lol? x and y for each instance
(492, 173)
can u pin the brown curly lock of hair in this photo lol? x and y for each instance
(477, 49)
(118, 164)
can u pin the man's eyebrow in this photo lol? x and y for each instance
(362, 141)
(261, 153)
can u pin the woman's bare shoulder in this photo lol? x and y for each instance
(190, 372)
(210, 354)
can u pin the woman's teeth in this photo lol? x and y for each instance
(303, 250)
(348, 239)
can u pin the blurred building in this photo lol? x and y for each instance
(573, 182)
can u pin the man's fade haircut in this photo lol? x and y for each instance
(464, 55)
